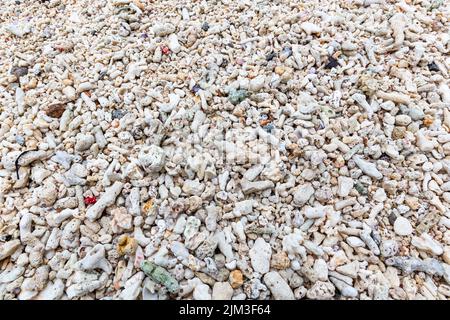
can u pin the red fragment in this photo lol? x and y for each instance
(165, 50)
(90, 200)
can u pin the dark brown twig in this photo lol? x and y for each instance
(17, 161)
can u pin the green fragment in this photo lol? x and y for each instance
(160, 275)
(353, 151)
(237, 96)
(360, 188)
(435, 4)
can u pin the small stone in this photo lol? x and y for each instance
(332, 63)
(398, 133)
(257, 83)
(355, 242)
(279, 70)
(19, 71)
(360, 188)
(306, 103)
(151, 158)
(368, 168)
(260, 255)
(402, 227)
(126, 245)
(201, 292)
(345, 185)
(236, 279)
(344, 288)
(388, 248)
(196, 88)
(207, 248)
(84, 142)
(174, 45)
(165, 50)
(379, 195)
(278, 286)
(70, 93)
(222, 291)
(270, 56)
(402, 120)
(163, 29)
(310, 28)
(349, 269)
(8, 248)
(243, 207)
(349, 46)
(286, 53)
(117, 114)
(321, 269)
(428, 121)
(426, 243)
(433, 66)
(280, 261)
(416, 114)
(321, 291)
(55, 110)
(303, 194)
(193, 187)
(85, 86)
(19, 28)
(205, 26)
(412, 202)
(315, 213)
(237, 96)
(428, 221)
